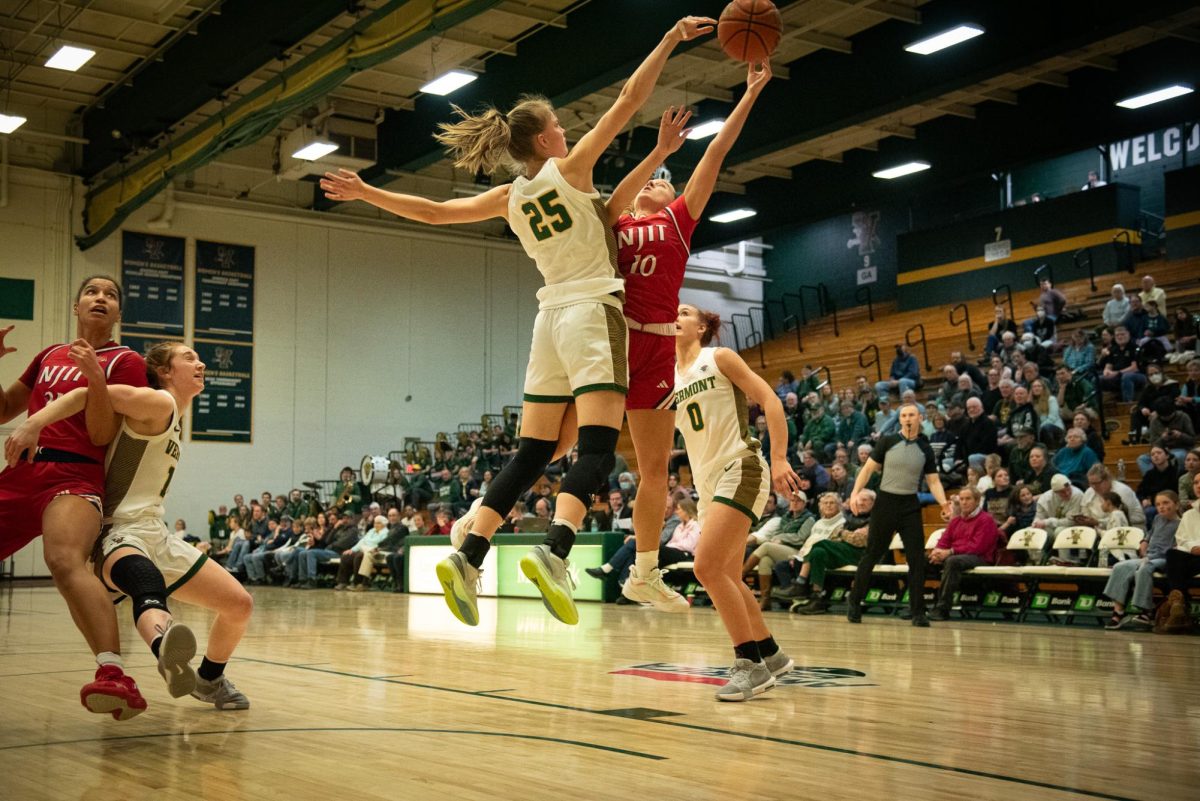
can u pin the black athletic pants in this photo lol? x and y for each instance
(1181, 567)
(894, 513)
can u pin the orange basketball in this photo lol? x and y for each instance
(749, 30)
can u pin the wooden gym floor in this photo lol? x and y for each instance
(381, 696)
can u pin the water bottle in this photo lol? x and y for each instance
(1121, 470)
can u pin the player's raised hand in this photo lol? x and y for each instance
(757, 76)
(344, 185)
(4, 349)
(84, 355)
(689, 28)
(672, 129)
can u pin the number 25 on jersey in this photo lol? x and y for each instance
(545, 210)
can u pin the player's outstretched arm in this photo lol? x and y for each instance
(24, 440)
(577, 166)
(704, 179)
(736, 370)
(672, 132)
(345, 185)
(100, 419)
(15, 399)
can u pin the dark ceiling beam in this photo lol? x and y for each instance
(1048, 122)
(225, 49)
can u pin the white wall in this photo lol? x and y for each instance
(349, 320)
(714, 283)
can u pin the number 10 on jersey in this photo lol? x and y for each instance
(643, 264)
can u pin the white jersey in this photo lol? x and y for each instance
(712, 414)
(566, 233)
(138, 470)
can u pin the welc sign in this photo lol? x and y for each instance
(1152, 147)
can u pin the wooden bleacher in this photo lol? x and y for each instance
(840, 354)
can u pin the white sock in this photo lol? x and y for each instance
(644, 562)
(607, 568)
(109, 658)
(558, 521)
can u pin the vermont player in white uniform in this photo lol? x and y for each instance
(136, 555)
(733, 480)
(578, 354)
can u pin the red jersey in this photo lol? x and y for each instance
(652, 252)
(52, 374)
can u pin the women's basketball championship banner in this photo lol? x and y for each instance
(152, 273)
(224, 340)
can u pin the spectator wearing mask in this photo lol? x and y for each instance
(1050, 301)
(904, 374)
(969, 541)
(1043, 328)
(1152, 556)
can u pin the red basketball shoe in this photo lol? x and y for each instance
(114, 692)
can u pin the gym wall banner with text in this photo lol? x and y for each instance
(152, 274)
(224, 339)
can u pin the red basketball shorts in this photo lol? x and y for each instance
(651, 371)
(27, 489)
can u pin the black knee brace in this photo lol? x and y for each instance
(527, 466)
(137, 577)
(589, 475)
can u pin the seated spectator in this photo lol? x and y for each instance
(339, 539)
(840, 481)
(811, 469)
(1022, 509)
(1075, 458)
(1135, 321)
(1009, 349)
(1036, 472)
(1162, 476)
(905, 374)
(241, 544)
(886, 420)
(949, 385)
(1119, 369)
(829, 546)
(1022, 419)
(850, 429)
(777, 544)
(680, 547)
(951, 463)
(978, 436)
(1185, 332)
(969, 541)
(413, 524)
(1100, 483)
(1139, 572)
(1157, 386)
(1156, 341)
(1080, 354)
(997, 499)
(818, 432)
(1150, 292)
(1030, 372)
(1045, 404)
(987, 477)
(1087, 421)
(963, 366)
(1116, 309)
(464, 489)
(1169, 429)
(391, 545)
(278, 533)
(991, 392)
(1183, 562)
(1114, 513)
(1191, 465)
(1051, 301)
(599, 516)
(1058, 506)
(621, 510)
(1005, 405)
(787, 383)
(1073, 391)
(1093, 181)
(352, 559)
(1189, 394)
(965, 390)
(999, 326)
(1043, 328)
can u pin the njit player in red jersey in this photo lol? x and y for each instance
(61, 493)
(653, 239)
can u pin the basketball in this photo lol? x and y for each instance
(749, 30)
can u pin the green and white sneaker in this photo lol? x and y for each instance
(460, 585)
(652, 590)
(779, 664)
(176, 650)
(746, 680)
(549, 574)
(220, 693)
(462, 526)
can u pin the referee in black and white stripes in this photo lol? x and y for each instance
(903, 458)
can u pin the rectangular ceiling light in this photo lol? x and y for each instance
(706, 129)
(1157, 96)
(733, 216)
(902, 169)
(451, 81)
(944, 39)
(70, 58)
(9, 123)
(315, 150)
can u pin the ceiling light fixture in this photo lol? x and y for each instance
(706, 129)
(10, 123)
(1157, 96)
(944, 39)
(902, 170)
(733, 216)
(70, 58)
(450, 82)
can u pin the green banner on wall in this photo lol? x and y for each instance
(16, 299)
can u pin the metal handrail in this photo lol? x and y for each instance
(1084, 256)
(966, 320)
(1123, 245)
(858, 298)
(832, 307)
(828, 378)
(874, 360)
(1098, 396)
(821, 292)
(737, 336)
(762, 358)
(802, 318)
(796, 323)
(765, 331)
(908, 340)
(771, 318)
(1012, 313)
(1037, 274)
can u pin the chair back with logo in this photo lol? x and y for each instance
(1120, 543)
(1076, 538)
(1031, 540)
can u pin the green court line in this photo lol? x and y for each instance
(291, 730)
(713, 730)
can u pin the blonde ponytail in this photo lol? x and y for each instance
(487, 141)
